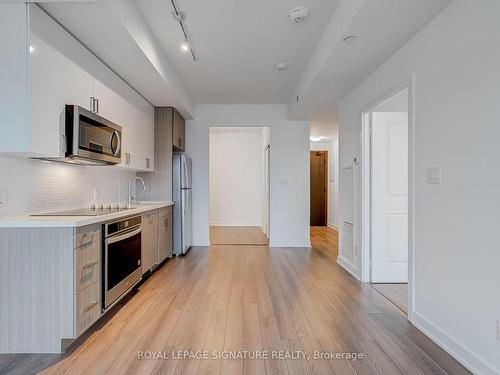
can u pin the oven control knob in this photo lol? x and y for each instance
(117, 207)
(101, 207)
(109, 207)
(92, 208)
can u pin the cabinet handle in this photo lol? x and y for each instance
(97, 105)
(86, 242)
(91, 104)
(148, 163)
(90, 306)
(91, 264)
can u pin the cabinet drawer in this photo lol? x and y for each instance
(164, 211)
(87, 308)
(85, 236)
(87, 265)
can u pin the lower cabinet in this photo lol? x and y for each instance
(88, 308)
(165, 234)
(87, 286)
(149, 257)
(156, 237)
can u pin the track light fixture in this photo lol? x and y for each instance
(180, 17)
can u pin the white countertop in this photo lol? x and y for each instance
(76, 221)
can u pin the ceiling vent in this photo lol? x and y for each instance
(298, 15)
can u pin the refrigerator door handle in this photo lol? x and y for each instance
(186, 174)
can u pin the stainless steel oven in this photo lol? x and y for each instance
(122, 258)
(91, 138)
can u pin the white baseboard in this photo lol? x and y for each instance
(348, 266)
(236, 224)
(202, 242)
(458, 351)
(333, 227)
(287, 244)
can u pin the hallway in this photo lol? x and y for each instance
(237, 235)
(253, 298)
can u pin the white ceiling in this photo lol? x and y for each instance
(381, 27)
(238, 44)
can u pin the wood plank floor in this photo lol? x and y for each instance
(396, 293)
(325, 240)
(252, 298)
(220, 235)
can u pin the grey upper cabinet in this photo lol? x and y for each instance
(179, 131)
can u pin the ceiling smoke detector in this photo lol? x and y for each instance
(298, 15)
(281, 66)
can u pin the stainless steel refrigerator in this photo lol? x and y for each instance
(183, 218)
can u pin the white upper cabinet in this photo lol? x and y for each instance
(47, 85)
(106, 102)
(79, 86)
(46, 68)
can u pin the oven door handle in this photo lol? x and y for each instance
(124, 236)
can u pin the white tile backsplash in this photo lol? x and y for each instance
(35, 186)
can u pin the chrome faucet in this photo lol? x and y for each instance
(130, 198)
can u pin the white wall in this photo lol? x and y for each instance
(236, 176)
(455, 61)
(35, 186)
(289, 168)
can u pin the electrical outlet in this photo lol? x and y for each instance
(3, 198)
(434, 175)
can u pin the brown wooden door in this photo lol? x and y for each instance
(319, 179)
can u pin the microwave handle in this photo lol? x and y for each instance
(118, 148)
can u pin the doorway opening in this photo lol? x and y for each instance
(388, 185)
(319, 188)
(239, 185)
(323, 184)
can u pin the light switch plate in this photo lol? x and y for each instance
(434, 175)
(3, 198)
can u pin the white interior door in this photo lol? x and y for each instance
(389, 197)
(267, 193)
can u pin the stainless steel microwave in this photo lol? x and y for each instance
(90, 138)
